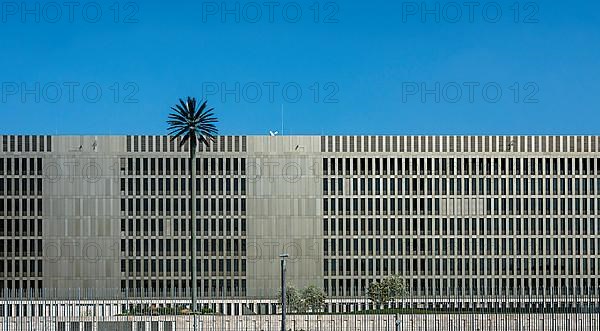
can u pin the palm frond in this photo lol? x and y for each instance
(192, 122)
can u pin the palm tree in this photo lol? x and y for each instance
(192, 123)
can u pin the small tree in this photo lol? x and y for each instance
(387, 290)
(293, 300)
(313, 299)
(310, 299)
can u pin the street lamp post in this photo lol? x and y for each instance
(283, 288)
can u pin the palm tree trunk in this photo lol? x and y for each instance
(193, 222)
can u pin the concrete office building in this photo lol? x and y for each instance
(477, 213)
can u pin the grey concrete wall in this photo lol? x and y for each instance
(284, 212)
(81, 213)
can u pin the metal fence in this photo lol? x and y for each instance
(94, 310)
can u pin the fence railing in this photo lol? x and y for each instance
(557, 309)
(413, 322)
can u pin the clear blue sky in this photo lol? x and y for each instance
(378, 66)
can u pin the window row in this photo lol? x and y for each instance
(480, 206)
(460, 246)
(459, 166)
(167, 144)
(14, 267)
(19, 284)
(26, 144)
(203, 266)
(21, 206)
(20, 227)
(156, 227)
(459, 186)
(21, 247)
(20, 186)
(177, 186)
(461, 226)
(180, 166)
(176, 206)
(458, 144)
(206, 287)
(21, 166)
(461, 267)
(471, 286)
(179, 247)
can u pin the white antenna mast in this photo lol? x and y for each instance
(282, 119)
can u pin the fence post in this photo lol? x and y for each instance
(5, 294)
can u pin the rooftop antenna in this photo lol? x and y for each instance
(282, 119)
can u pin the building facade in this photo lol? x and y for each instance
(479, 214)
